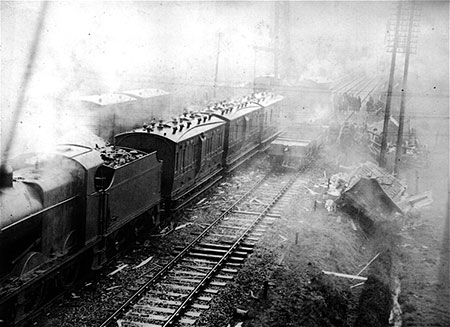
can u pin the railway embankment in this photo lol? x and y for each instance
(283, 282)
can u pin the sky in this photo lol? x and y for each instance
(94, 47)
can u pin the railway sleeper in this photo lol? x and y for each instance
(253, 233)
(223, 237)
(243, 244)
(151, 309)
(145, 316)
(133, 323)
(199, 274)
(194, 314)
(260, 230)
(212, 257)
(153, 298)
(187, 321)
(233, 264)
(161, 293)
(157, 301)
(234, 227)
(214, 245)
(206, 264)
(185, 273)
(213, 251)
(203, 250)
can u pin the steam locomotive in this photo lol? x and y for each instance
(75, 205)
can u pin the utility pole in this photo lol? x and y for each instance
(280, 40)
(276, 39)
(412, 21)
(387, 113)
(217, 64)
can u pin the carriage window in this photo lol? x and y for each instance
(192, 152)
(203, 146)
(189, 151)
(209, 146)
(183, 164)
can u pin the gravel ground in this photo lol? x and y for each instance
(298, 294)
(282, 283)
(90, 303)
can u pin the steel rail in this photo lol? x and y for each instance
(175, 260)
(184, 305)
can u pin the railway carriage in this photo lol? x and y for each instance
(190, 147)
(271, 117)
(251, 122)
(112, 113)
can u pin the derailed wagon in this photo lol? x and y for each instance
(291, 153)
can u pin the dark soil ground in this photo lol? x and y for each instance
(282, 283)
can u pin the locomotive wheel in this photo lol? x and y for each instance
(29, 301)
(147, 221)
(8, 313)
(118, 240)
(28, 263)
(71, 242)
(69, 275)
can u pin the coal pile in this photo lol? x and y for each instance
(117, 157)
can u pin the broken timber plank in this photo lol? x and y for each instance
(344, 275)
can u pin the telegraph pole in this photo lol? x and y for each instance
(387, 113)
(404, 40)
(217, 64)
(276, 39)
(408, 50)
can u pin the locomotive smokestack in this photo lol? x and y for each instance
(6, 176)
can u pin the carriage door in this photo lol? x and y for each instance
(199, 153)
(245, 127)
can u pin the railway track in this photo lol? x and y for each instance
(182, 290)
(363, 88)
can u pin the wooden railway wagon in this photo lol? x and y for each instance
(112, 113)
(190, 147)
(290, 153)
